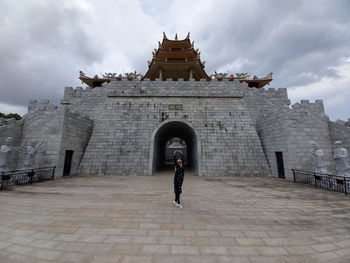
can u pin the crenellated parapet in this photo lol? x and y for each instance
(312, 108)
(272, 93)
(43, 106)
(74, 93)
(180, 88)
(8, 122)
(343, 123)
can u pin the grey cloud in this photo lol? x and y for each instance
(286, 37)
(44, 46)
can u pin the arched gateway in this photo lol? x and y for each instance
(170, 129)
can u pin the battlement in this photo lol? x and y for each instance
(8, 122)
(43, 105)
(170, 82)
(71, 93)
(279, 93)
(307, 105)
(76, 92)
(77, 89)
(179, 88)
(313, 108)
(343, 123)
(279, 96)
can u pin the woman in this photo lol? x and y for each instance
(178, 180)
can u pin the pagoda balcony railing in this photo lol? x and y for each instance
(12, 178)
(321, 180)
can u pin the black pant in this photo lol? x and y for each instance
(177, 197)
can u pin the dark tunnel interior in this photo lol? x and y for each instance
(164, 134)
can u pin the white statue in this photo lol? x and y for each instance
(318, 156)
(5, 153)
(30, 152)
(341, 159)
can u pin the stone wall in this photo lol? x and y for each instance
(59, 130)
(273, 131)
(294, 132)
(76, 134)
(43, 123)
(11, 128)
(262, 102)
(127, 113)
(340, 132)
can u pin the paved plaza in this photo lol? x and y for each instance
(132, 219)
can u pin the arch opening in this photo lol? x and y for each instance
(167, 133)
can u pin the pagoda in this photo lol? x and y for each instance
(176, 59)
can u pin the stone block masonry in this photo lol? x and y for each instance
(126, 113)
(76, 132)
(294, 132)
(230, 129)
(57, 128)
(11, 128)
(43, 123)
(340, 132)
(121, 139)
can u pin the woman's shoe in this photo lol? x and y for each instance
(180, 206)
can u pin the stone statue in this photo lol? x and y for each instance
(5, 153)
(30, 152)
(341, 159)
(318, 156)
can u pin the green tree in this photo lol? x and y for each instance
(10, 115)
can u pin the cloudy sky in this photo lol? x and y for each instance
(305, 43)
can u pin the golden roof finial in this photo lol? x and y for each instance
(175, 36)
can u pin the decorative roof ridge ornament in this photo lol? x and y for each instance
(188, 35)
(164, 35)
(253, 81)
(176, 36)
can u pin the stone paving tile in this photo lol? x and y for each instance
(137, 259)
(118, 239)
(132, 219)
(156, 249)
(250, 242)
(169, 259)
(70, 246)
(184, 250)
(299, 250)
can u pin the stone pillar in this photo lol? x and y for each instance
(191, 74)
(160, 74)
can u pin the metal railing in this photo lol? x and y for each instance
(320, 180)
(12, 178)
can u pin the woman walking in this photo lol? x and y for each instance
(178, 180)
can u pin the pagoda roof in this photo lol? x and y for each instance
(176, 59)
(189, 54)
(176, 69)
(173, 44)
(93, 82)
(258, 83)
